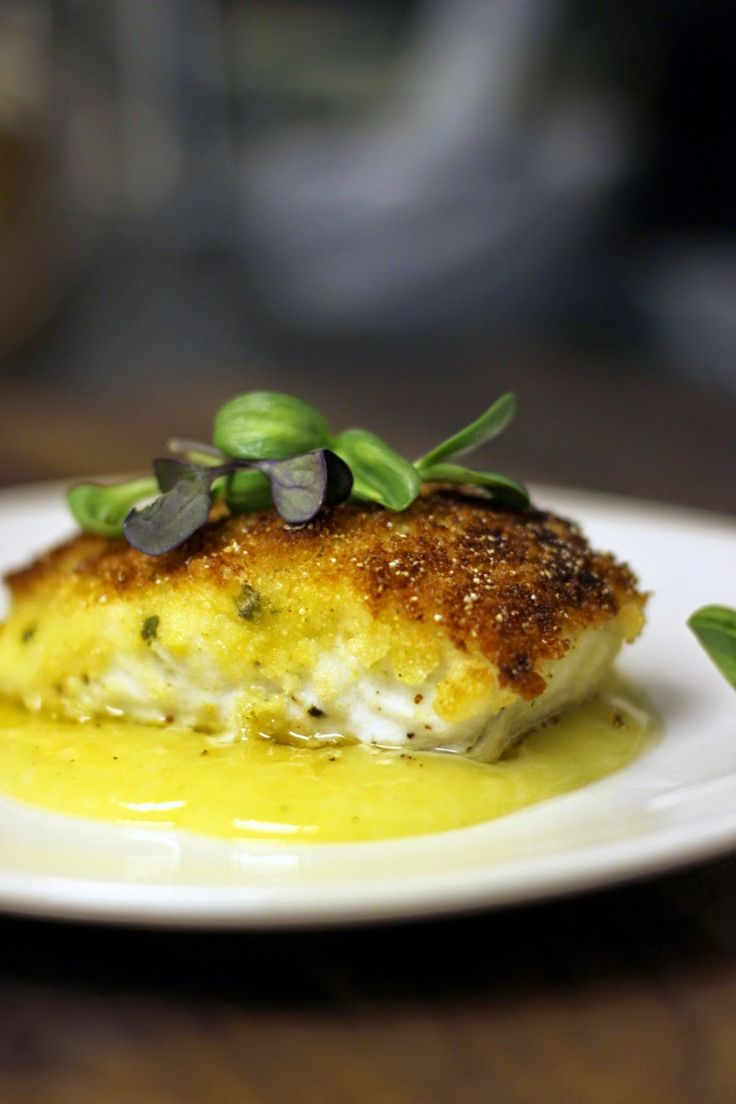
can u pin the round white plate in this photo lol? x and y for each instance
(676, 804)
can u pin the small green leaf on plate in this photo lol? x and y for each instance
(715, 628)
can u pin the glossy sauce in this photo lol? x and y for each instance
(140, 775)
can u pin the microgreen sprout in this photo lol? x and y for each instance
(715, 628)
(276, 450)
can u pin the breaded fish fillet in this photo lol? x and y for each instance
(452, 625)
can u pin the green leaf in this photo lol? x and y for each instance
(505, 491)
(198, 452)
(379, 473)
(247, 490)
(172, 518)
(102, 508)
(715, 628)
(266, 425)
(489, 425)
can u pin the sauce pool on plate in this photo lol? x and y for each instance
(260, 789)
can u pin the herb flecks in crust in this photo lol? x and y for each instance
(149, 628)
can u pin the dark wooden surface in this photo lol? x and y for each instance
(623, 995)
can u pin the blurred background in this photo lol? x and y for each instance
(395, 208)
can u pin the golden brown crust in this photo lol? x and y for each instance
(515, 587)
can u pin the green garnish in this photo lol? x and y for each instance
(247, 490)
(149, 629)
(103, 509)
(265, 425)
(379, 474)
(179, 511)
(248, 603)
(505, 491)
(274, 449)
(715, 628)
(488, 426)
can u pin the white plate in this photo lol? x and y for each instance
(676, 804)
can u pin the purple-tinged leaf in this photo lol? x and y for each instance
(301, 485)
(339, 479)
(172, 518)
(169, 471)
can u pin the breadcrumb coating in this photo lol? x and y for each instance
(515, 588)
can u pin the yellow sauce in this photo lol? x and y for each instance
(259, 789)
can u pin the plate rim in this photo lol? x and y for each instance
(132, 904)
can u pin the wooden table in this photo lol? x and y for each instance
(619, 996)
